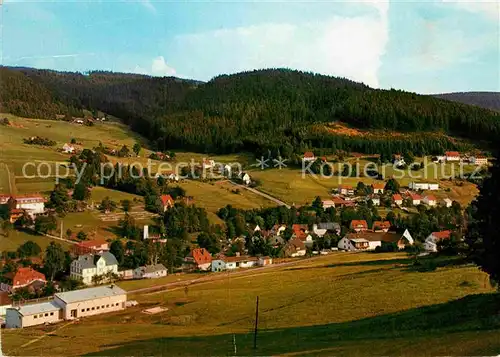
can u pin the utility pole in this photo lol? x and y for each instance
(256, 324)
(61, 236)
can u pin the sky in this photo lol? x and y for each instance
(426, 46)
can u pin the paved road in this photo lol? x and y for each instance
(260, 193)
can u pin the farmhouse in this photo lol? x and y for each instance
(308, 156)
(85, 267)
(375, 200)
(372, 240)
(294, 248)
(166, 201)
(337, 201)
(301, 232)
(378, 188)
(32, 203)
(346, 190)
(199, 258)
(150, 271)
(359, 225)
(398, 200)
(431, 241)
(452, 156)
(23, 277)
(430, 200)
(68, 149)
(424, 186)
(68, 306)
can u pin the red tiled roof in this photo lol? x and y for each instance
(430, 198)
(166, 200)
(299, 230)
(379, 186)
(382, 224)
(25, 276)
(201, 256)
(452, 153)
(397, 197)
(357, 223)
(96, 243)
(346, 187)
(309, 154)
(415, 197)
(442, 234)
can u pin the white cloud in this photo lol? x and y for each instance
(350, 47)
(489, 8)
(148, 5)
(158, 68)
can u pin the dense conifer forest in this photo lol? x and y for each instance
(275, 109)
(490, 100)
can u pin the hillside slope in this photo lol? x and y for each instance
(488, 100)
(275, 109)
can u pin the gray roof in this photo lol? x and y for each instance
(109, 258)
(154, 268)
(27, 310)
(329, 226)
(86, 261)
(91, 293)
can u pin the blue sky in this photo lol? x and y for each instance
(425, 46)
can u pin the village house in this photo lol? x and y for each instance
(150, 271)
(375, 200)
(166, 201)
(431, 186)
(346, 190)
(68, 306)
(301, 232)
(168, 175)
(31, 203)
(23, 277)
(264, 261)
(378, 188)
(245, 177)
(207, 163)
(322, 228)
(381, 226)
(96, 246)
(68, 149)
(5, 302)
(308, 156)
(415, 199)
(222, 263)
(85, 267)
(397, 199)
(452, 156)
(432, 240)
(372, 240)
(338, 202)
(399, 161)
(479, 160)
(15, 214)
(294, 248)
(447, 202)
(198, 259)
(430, 200)
(359, 225)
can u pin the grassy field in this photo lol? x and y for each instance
(343, 304)
(16, 238)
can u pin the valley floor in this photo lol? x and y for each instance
(341, 304)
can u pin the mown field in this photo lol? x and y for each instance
(345, 304)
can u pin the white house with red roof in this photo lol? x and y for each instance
(398, 199)
(479, 160)
(32, 203)
(415, 198)
(452, 156)
(346, 190)
(23, 277)
(198, 258)
(378, 187)
(430, 200)
(308, 156)
(359, 225)
(432, 240)
(166, 201)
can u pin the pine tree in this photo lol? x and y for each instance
(482, 235)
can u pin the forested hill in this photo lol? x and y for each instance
(259, 110)
(489, 100)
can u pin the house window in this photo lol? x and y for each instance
(97, 307)
(83, 310)
(93, 308)
(102, 307)
(107, 305)
(46, 314)
(88, 309)
(51, 314)
(35, 316)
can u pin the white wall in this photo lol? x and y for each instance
(35, 207)
(218, 265)
(374, 244)
(93, 307)
(15, 320)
